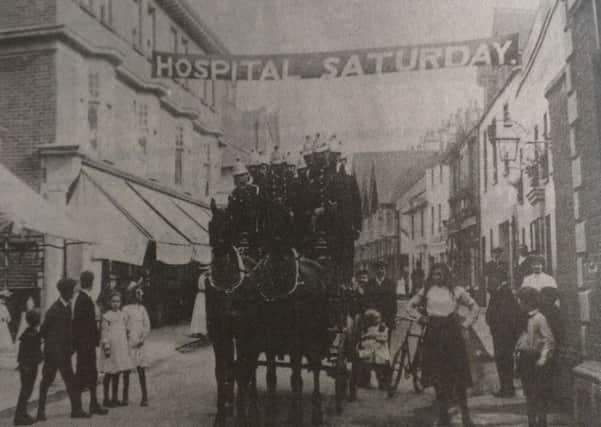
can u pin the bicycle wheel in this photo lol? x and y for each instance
(416, 371)
(398, 364)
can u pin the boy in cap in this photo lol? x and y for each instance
(534, 351)
(56, 331)
(29, 357)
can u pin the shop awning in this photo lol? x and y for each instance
(22, 208)
(127, 216)
(193, 226)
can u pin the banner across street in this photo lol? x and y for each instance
(483, 52)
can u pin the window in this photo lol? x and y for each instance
(495, 166)
(152, 41)
(207, 167)
(143, 126)
(439, 218)
(106, 12)
(186, 49)
(485, 156)
(421, 223)
(548, 246)
(545, 127)
(93, 107)
(179, 154)
(412, 226)
(440, 173)
(432, 220)
(432, 176)
(491, 241)
(174, 40)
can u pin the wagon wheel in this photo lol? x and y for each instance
(341, 372)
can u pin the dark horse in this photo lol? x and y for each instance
(292, 320)
(232, 302)
(253, 309)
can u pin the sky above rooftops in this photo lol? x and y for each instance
(384, 112)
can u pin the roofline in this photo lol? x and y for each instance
(189, 20)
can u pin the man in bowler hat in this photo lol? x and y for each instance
(56, 331)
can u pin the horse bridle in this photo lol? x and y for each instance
(241, 269)
(297, 283)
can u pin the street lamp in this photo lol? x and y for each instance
(509, 137)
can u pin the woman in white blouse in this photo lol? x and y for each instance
(445, 364)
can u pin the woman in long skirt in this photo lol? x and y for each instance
(6, 340)
(445, 363)
(198, 324)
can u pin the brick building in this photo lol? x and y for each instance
(83, 117)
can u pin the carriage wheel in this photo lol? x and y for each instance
(341, 373)
(398, 362)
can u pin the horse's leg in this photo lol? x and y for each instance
(271, 378)
(220, 375)
(317, 412)
(296, 383)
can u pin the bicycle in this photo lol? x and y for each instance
(406, 363)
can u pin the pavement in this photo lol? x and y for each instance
(162, 343)
(182, 393)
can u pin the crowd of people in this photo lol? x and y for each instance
(307, 201)
(76, 325)
(524, 323)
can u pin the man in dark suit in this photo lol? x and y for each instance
(56, 331)
(523, 267)
(85, 340)
(502, 317)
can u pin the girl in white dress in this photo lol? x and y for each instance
(198, 324)
(6, 340)
(138, 328)
(115, 357)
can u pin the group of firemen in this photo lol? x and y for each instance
(306, 201)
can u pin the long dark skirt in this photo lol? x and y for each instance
(445, 364)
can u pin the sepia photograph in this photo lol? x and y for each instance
(265, 213)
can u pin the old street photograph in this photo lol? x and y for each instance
(265, 213)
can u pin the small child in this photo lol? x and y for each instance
(138, 328)
(115, 348)
(534, 351)
(29, 357)
(373, 347)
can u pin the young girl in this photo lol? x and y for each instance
(373, 347)
(6, 340)
(445, 363)
(138, 328)
(115, 349)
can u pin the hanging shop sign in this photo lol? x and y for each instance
(484, 52)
